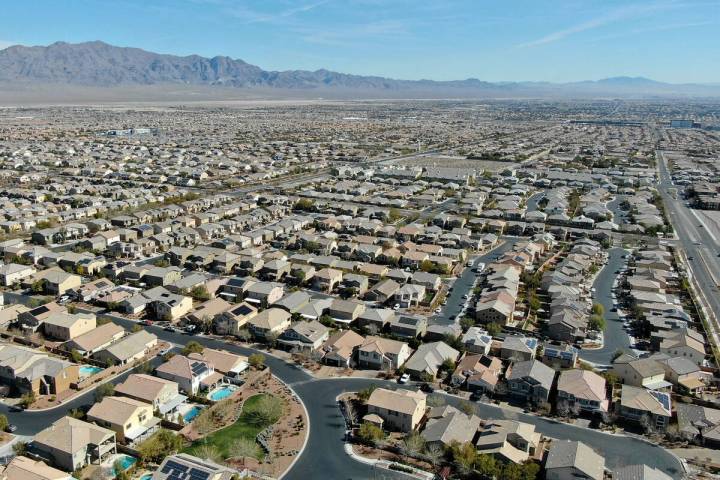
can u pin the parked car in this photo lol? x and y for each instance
(11, 428)
(404, 378)
(163, 352)
(427, 388)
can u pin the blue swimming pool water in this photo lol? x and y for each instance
(221, 393)
(89, 370)
(126, 461)
(147, 476)
(191, 414)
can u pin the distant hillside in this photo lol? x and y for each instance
(97, 64)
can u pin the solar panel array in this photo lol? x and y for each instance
(663, 398)
(242, 310)
(178, 471)
(198, 368)
(531, 342)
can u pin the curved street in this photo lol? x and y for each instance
(325, 456)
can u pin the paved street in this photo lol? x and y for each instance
(325, 456)
(699, 245)
(464, 284)
(615, 337)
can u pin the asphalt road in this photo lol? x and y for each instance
(464, 284)
(615, 337)
(325, 457)
(532, 202)
(697, 242)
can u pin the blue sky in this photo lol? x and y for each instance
(494, 40)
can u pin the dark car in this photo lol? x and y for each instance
(427, 388)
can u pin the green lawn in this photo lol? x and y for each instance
(222, 439)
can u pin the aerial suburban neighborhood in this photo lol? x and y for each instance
(533, 298)
(360, 240)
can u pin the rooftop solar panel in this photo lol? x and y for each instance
(663, 398)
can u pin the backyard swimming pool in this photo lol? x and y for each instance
(88, 371)
(125, 462)
(190, 415)
(221, 393)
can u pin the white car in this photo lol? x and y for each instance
(396, 307)
(438, 310)
(404, 378)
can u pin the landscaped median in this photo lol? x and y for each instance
(262, 429)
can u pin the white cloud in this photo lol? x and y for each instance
(249, 15)
(618, 15)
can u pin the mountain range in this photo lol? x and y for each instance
(103, 66)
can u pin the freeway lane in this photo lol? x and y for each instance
(615, 337)
(697, 243)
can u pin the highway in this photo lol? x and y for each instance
(700, 249)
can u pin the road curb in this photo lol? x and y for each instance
(309, 429)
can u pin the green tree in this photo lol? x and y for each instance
(38, 286)
(256, 360)
(4, 423)
(200, 293)
(370, 433)
(448, 365)
(104, 390)
(75, 356)
(136, 328)
(160, 445)
(192, 347)
(597, 322)
(427, 266)
(534, 302)
(364, 394)
(467, 407)
(463, 456)
(413, 444)
(265, 412)
(493, 329)
(299, 275)
(20, 448)
(487, 466)
(27, 399)
(394, 215)
(304, 204)
(466, 323)
(598, 309)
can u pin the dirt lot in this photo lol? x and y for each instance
(455, 162)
